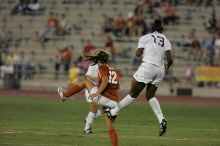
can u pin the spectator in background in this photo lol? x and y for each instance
(66, 56)
(141, 26)
(108, 25)
(19, 6)
(207, 46)
(5, 38)
(210, 25)
(24, 65)
(217, 50)
(64, 25)
(197, 51)
(88, 48)
(11, 60)
(33, 6)
(189, 75)
(187, 41)
(110, 47)
(74, 74)
(57, 64)
(119, 25)
(50, 29)
(143, 7)
(169, 14)
(131, 25)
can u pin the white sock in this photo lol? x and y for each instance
(126, 101)
(105, 102)
(98, 113)
(89, 120)
(156, 108)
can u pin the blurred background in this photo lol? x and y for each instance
(41, 41)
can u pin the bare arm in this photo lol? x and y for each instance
(103, 84)
(139, 52)
(101, 87)
(169, 59)
(88, 77)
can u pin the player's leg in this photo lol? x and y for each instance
(90, 117)
(94, 112)
(111, 131)
(137, 85)
(136, 88)
(75, 89)
(154, 104)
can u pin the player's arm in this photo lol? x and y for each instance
(103, 85)
(169, 59)
(168, 54)
(139, 52)
(88, 77)
(141, 46)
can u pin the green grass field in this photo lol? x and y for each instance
(48, 122)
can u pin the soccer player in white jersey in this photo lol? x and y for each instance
(94, 112)
(153, 47)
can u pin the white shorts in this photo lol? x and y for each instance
(101, 100)
(149, 73)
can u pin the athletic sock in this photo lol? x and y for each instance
(89, 120)
(126, 101)
(156, 108)
(113, 136)
(98, 113)
(72, 90)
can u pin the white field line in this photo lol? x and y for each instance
(41, 144)
(105, 136)
(128, 128)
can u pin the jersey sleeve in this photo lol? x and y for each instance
(92, 71)
(167, 45)
(141, 42)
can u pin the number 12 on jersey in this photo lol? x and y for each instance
(112, 77)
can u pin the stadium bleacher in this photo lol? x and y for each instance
(89, 17)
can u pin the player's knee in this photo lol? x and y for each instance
(148, 97)
(133, 94)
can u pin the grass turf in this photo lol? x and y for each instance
(48, 122)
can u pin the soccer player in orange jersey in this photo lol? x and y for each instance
(105, 95)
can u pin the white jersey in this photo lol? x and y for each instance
(93, 71)
(155, 44)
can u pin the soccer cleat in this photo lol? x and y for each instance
(163, 127)
(60, 92)
(106, 110)
(88, 131)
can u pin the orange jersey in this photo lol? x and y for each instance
(111, 91)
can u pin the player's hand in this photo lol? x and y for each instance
(166, 67)
(91, 96)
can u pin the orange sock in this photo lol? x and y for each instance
(113, 136)
(72, 90)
